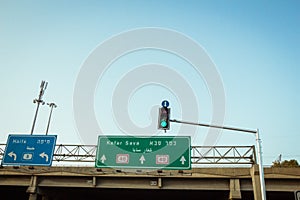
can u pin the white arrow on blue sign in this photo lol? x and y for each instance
(297, 195)
(31, 150)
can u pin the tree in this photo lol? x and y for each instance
(286, 163)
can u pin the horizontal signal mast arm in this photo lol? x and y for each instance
(214, 126)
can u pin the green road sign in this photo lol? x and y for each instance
(158, 152)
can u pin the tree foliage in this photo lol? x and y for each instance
(286, 163)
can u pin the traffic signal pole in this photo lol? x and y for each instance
(258, 144)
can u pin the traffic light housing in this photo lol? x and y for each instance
(164, 118)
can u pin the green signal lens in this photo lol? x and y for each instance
(163, 123)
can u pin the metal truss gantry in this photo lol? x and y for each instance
(80, 154)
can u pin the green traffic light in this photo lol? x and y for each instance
(163, 123)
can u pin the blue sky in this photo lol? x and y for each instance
(253, 44)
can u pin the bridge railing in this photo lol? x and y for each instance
(80, 154)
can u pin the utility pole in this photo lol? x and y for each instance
(39, 101)
(51, 105)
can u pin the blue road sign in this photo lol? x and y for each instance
(31, 150)
(165, 103)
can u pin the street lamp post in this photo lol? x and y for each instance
(39, 101)
(51, 105)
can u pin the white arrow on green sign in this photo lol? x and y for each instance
(157, 152)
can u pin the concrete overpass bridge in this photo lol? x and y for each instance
(218, 173)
